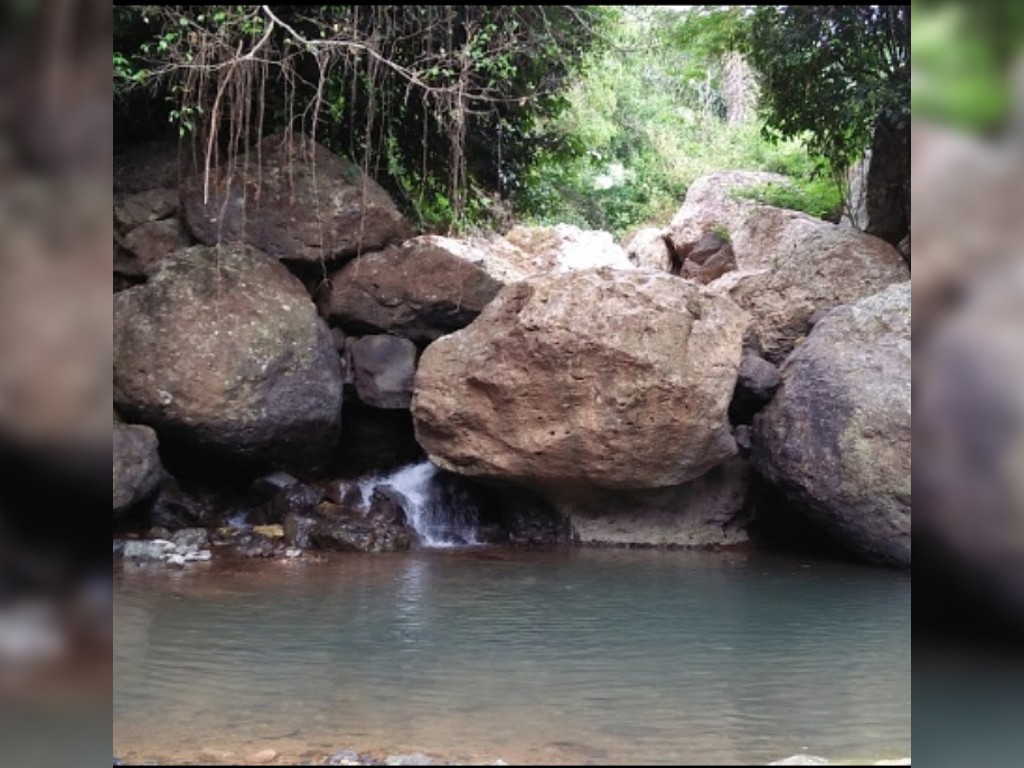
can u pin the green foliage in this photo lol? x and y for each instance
(829, 72)
(818, 196)
(961, 62)
(438, 103)
(644, 119)
(722, 231)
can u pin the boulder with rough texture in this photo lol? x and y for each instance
(706, 512)
(419, 290)
(596, 378)
(711, 203)
(145, 247)
(223, 349)
(137, 467)
(797, 265)
(384, 367)
(565, 248)
(836, 437)
(134, 210)
(296, 200)
(495, 255)
(649, 250)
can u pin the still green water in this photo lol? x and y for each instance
(572, 656)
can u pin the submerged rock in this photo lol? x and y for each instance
(836, 437)
(595, 378)
(223, 349)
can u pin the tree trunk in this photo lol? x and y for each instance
(888, 193)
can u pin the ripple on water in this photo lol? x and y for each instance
(565, 656)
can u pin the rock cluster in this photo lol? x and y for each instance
(638, 391)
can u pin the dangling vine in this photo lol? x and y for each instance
(347, 76)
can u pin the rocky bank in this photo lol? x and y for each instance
(281, 333)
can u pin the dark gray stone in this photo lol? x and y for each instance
(384, 367)
(223, 350)
(137, 468)
(835, 439)
(291, 209)
(420, 291)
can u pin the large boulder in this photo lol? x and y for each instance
(793, 265)
(383, 369)
(713, 203)
(223, 348)
(294, 200)
(420, 290)
(835, 439)
(592, 378)
(137, 467)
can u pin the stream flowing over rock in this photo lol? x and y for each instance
(835, 439)
(223, 348)
(792, 265)
(595, 378)
(137, 467)
(299, 202)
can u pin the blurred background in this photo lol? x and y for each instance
(967, 165)
(55, 381)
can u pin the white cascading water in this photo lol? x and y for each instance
(437, 521)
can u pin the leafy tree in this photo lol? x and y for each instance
(436, 101)
(841, 76)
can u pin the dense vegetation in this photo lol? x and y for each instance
(481, 115)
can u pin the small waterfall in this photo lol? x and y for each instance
(440, 517)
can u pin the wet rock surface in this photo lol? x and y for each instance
(379, 526)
